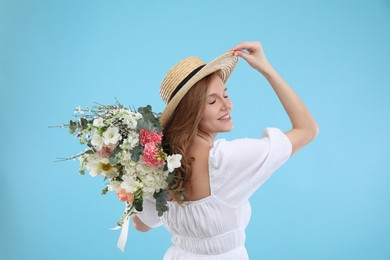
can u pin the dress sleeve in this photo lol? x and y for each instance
(149, 214)
(239, 167)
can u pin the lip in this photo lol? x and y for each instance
(228, 117)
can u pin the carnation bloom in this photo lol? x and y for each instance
(147, 137)
(151, 155)
(124, 196)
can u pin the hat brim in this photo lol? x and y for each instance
(224, 63)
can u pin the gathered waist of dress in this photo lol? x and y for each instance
(211, 245)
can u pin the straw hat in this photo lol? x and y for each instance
(181, 77)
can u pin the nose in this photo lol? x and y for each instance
(226, 105)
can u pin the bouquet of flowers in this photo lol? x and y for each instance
(125, 147)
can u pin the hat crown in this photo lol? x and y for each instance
(177, 74)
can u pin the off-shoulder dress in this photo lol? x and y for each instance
(214, 227)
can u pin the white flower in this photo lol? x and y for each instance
(114, 186)
(142, 168)
(133, 139)
(111, 135)
(97, 142)
(79, 110)
(108, 171)
(138, 115)
(98, 166)
(98, 122)
(174, 161)
(129, 183)
(130, 121)
(92, 165)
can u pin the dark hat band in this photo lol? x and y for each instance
(185, 80)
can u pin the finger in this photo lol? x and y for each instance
(243, 45)
(242, 54)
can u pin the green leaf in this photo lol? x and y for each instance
(104, 191)
(82, 123)
(146, 124)
(89, 152)
(113, 159)
(128, 212)
(136, 153)
(149, 120)
(138, 204)
(145, 110)
(170, 177)
(135, 157)
(72, 127)
(161, 201)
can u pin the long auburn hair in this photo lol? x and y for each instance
(180, 132)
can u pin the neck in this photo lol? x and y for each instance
(208, 138)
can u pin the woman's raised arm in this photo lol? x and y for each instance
(304, 127)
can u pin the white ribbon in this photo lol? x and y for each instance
(123, 236)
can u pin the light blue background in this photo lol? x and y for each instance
(329, 201)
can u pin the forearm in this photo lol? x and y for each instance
(298, 113)
(139, 225)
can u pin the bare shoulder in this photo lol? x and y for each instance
(300, 138)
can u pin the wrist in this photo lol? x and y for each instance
(267, 70)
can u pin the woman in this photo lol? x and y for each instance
(208, 219)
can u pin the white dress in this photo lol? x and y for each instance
(214, 227)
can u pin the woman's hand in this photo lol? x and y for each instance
(254, 56)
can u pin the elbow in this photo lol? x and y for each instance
(315, 132)
(141, 228)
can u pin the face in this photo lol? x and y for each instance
(216, 116)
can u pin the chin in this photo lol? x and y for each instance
(227, 129)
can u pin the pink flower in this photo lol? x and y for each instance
(124, 196)
(147, 137)
(152, 156)
(106, 150)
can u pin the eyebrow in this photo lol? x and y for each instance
(214, 94)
